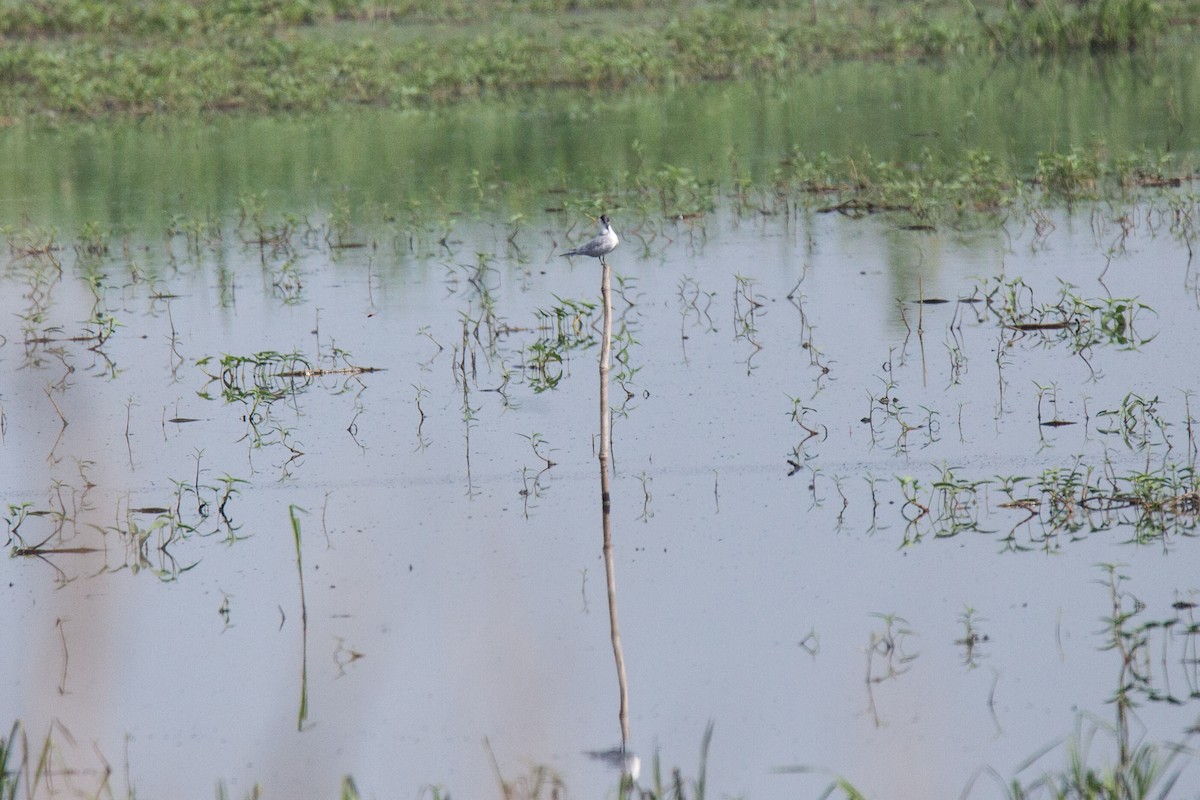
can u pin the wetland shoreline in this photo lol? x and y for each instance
(90, 59)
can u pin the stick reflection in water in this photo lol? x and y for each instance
(626, 761)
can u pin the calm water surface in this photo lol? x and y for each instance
(775, 584)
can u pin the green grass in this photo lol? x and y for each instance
(91, 58)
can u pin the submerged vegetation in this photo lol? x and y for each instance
(89, 58)
(663, 203)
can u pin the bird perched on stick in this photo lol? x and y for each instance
(605, 242)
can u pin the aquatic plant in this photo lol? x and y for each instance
(972, 637)
(1137, 421)
(1081, 322)
(562, 328)
(1141, 769)
(9, 779)
(260, 380)
(195, 507)
(1074, 174)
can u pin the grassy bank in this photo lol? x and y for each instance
(91, 58)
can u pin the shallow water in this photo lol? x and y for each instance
(454, 587)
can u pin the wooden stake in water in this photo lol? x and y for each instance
(606, 498)
(605, 367)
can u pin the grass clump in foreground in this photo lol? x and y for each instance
(1142, 771)
(90, 58)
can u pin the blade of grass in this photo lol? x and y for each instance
(303, 714)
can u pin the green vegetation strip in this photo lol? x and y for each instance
(92, 58)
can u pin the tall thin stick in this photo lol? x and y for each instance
(606, 499)
(605, 366)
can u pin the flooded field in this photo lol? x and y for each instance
(300, 427)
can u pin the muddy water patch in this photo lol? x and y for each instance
(836, 507)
